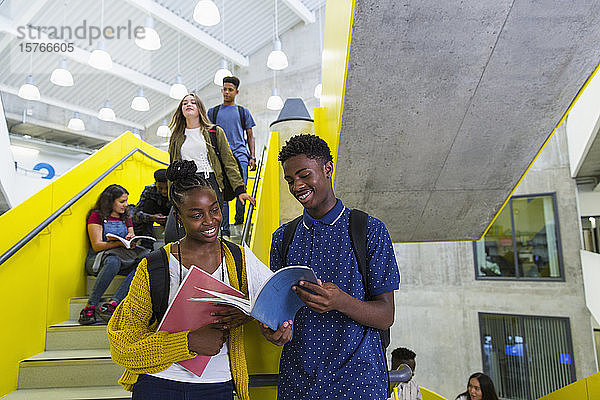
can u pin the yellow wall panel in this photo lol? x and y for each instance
(40, 278)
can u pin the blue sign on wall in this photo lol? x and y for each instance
(513, 349)
(45, 166)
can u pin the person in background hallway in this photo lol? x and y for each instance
(336, 350)
(150, 357)
(190, 141)
(479, 387)
(237, 122)
(153, 207)
(108, 258)
(406, 390)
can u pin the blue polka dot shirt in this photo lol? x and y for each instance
(330, 355)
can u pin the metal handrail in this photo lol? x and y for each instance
(10, 252)
(248, 220)
(263, 380)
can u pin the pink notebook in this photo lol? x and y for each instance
(183, 314)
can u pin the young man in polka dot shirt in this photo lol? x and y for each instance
(335, 352)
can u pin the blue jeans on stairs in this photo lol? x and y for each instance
(110, 267)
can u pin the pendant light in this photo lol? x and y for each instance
(139, 102)
(28, 90)
(61, 75)
(206, 13)
(277, 59)
(163, 130)
(76, 123)
(100, 59)
(106, 113)
(319, 87)
(275, 102)
(223, 71)
(178, 89)
(151, 40)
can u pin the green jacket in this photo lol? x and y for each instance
(229, 161)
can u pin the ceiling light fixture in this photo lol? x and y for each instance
(277, 59)
(178, 89)
(206, 13)
(106, 113)
(139, 102)
(275, 102)
(163, 130)
(100, 59)
(76, 123)
(28, 90)
(221, 73)
(61, 75)
(151, 40)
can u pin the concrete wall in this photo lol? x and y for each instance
(439, 299)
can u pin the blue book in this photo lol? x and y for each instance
(275, 303)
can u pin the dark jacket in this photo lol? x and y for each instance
(151, 202)
(231, 166)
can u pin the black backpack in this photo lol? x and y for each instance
(358, 236)
(158, 271)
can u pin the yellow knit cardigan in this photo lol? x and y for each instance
(142, 350)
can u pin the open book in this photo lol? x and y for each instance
(185, 315)
(127, 243)
(275, 303)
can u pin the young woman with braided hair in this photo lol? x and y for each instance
(151, 357)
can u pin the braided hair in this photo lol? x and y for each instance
(183, 178)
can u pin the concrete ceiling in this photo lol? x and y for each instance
(447, 103)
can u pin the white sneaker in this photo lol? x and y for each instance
(228, 238)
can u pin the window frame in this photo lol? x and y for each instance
(521, 317)
(517, 276)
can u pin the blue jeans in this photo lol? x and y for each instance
(109, 268)
(240, 208)
(152, 388)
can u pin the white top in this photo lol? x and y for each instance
(408, 391)
(194, 149)
(218, 369)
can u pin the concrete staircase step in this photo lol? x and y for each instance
(69, 335)
(112, 288)
(76, 304)
(69, 368)
(70, 393)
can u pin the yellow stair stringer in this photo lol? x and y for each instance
(38, 281)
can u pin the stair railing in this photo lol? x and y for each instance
(10, 252)
(248, 221)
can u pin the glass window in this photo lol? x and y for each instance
(527, 357)
(591, 233)
(523, 241)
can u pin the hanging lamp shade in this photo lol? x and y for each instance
(100, 59)
(61, 76)
(151, 40)
(178, 90)
(76, 123)
(140, 102)
(28, 90)
(207, 13)
(221, 73)
(106, 113)
(163, 130)
(318, 90)
(275, 102)
(277, 59)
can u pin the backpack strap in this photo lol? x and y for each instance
(212, 133)
(288, 236)
(214, 113)
(358, 238)
(158, 273)
(242, 118)
(236, 252)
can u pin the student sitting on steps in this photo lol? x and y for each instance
(107, 258)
